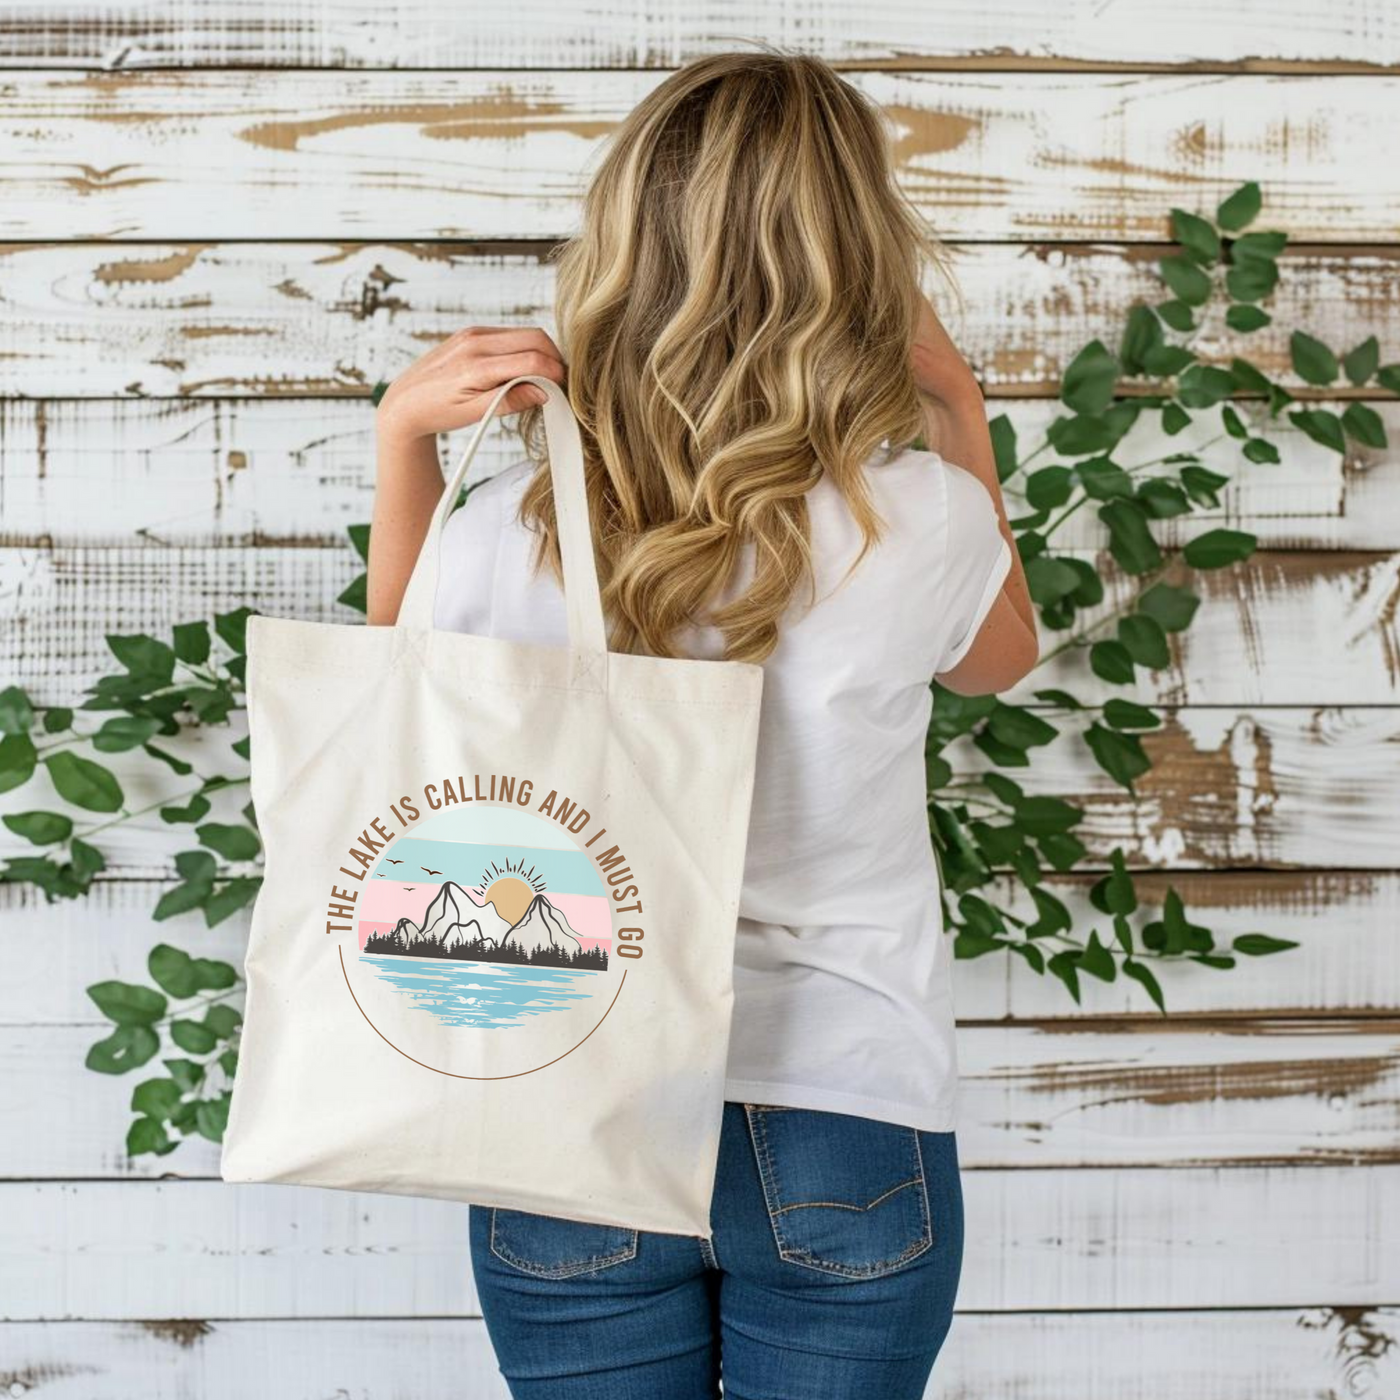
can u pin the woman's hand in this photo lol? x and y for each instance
(449, 387)
(452, 384)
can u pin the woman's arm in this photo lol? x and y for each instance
(955, 420)
(449, 387)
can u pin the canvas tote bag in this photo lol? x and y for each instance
(492, 956)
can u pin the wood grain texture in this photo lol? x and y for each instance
(296, 472)
(1183, 1354)
(505, 154)
(278, 319)
(1277, 787)
(1357, 34)
(1347, 963)
(1241, 649)
(1064, 1240)
(1139, 1093)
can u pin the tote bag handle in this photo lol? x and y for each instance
(588, 645)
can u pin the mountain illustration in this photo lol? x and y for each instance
(456, 926)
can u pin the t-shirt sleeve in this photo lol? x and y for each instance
(976, 562)
(470, 541)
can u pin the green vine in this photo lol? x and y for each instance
(985, 827)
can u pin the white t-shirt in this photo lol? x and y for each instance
(842, 977)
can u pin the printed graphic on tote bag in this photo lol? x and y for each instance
(475, 905)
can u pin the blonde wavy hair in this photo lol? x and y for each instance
(736, 315)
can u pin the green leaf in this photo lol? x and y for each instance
(1089, 379)
(1097, 961)
(1130, 540)
(1251, 280)
(87, 860)
(147, 1135)
(1186, 280)
(359, 540)
(1240, 208)
(1140, 972)
(214, 976)
(1062, 698)
(16, 711)
(1201, 386)
(233, 842)
(1245, 318)
(1216, 548)
(128, 1047)
(17, 761)
(1111, 662)
(1321, 425)
(1202, 484)
(1388, 377)
(1174, 419)
(1248, 379)
(232, 628)
(1177, 315)
(1020, 728)
(158, 1098)
(1313, 362)
(84, 783)
(1103, 479)
(212, 1118)
(355, 594)
(1234, 424)
(192, 642)
(228, 1062)
(231, 897)
(1362, 422)
(57, 718)
(1054, 916)
(1170, 606)
(1049, 487)
(1142, 333)
(1048, 580)
(1062, 850)
(123, 732)
(186, 1073)
(1260, 450)
(192, 1037)
(192, 811)
(1120, 755)
(1063, 965)
(196, 865)
(173, 971)
(182, 898)
(1196, 236)
(144, 657)
(223, 1021)
(1256, 945)
(1003, 446)
(1124, 714)
(1078, 437)
(1258, 247)
(128, 1003)
(41, 828)
(1145, 641)
(1162, 498)
(178, 765)
(1362, 362)
(1114, 893)
(1166, 360)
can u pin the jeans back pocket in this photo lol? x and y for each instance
(549, 1246)
(846, 1195)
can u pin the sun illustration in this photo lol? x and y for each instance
(510, 887)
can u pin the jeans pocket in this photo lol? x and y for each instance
(549, 1246)
(845, 1195)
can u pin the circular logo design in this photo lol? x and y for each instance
(484, 943)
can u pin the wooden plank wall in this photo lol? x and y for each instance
(223, 223)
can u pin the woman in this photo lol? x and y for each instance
(750, 358)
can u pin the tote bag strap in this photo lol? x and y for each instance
(588, 645)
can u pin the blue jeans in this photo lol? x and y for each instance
(837, 1249)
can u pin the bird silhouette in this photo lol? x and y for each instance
(392, 862)
(426, 871)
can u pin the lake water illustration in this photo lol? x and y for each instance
(484, 994)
